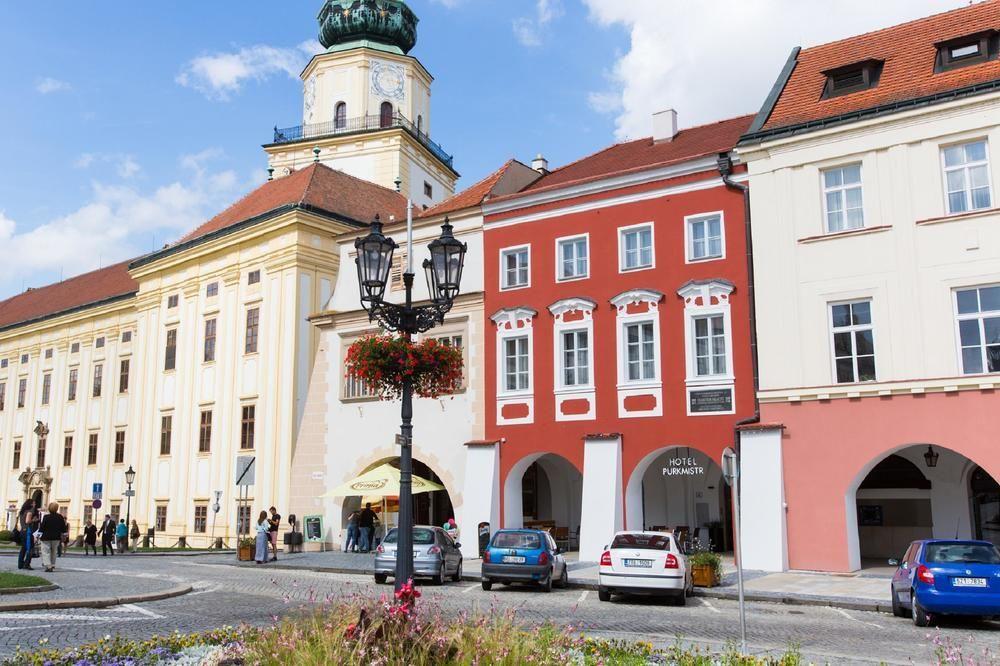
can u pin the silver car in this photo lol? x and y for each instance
(435, 555)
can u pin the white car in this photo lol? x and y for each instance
(644, 563)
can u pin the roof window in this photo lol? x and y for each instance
(968, 50)
(852, 78)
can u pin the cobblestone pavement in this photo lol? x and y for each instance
(80, 577)
(226, 595)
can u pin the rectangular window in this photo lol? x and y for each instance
(514, 267)
(3, 363)
(40, 455)
(200, 518)
(572, 260)
(248, 426)
(853, 342)
(212, 289)
(967, 177)
(166, 432)
(48, 353)
(205, 432)
(98, 380)
(67, 450)
(123, 373)
(842, 200)
(92, 449)
(71, 390)
(99, 343)
(705, 237)
(17, 456)
(209, 340)
(253, 277)
(24, 359)
(126, 336)
(428, 190)
(161, 517)
(116, 512)
(640, 352)
(22, 391)
(636, 247)
(119, 447)
(576, 358)
(172, 301)
(243, 519)
(3, 395)
(74, 348)
(88, 513)
(458, 342)
(170, 354)
(979, 329)
(253, 326)
(46, 387)
(710, 345)
(516, 364)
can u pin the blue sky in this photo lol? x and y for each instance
(116, 142)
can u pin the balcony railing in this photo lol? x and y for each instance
(360, 125)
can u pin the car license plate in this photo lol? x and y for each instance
(513, 559)
(968, 582)
(639, 564)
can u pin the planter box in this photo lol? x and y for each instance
(704, 576)
(245, 553)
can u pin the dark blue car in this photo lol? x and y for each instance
(947, 577)
(524, 556)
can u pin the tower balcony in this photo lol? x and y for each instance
(361, 125)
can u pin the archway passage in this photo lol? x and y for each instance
(922, 492)
(681, 490)
(545, 491)
(434, 508)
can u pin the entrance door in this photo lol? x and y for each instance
(37, 497)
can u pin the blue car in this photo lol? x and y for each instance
(524, 556)
(947, 577)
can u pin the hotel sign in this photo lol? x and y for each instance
(711, 400)
(683, 466)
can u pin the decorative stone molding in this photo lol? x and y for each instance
(649, 297)
(705, 293)
(513, 318)
(575, 304)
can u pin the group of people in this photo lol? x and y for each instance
(361, 530)
(267, 533)
(49, 532)
(114, 536)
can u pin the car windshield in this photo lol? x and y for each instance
(422, 536)
(648, 541)
(526, 540)
(964, 553)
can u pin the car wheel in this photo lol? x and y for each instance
(439, 578)
(547, 583)
(564, 578)
(487, 585)
(603, 594)
(457, 577)
(897, 608)
(682, 598)
(381, 578)
(921, 618)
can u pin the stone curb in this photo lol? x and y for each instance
(29, 590)
(104, 602)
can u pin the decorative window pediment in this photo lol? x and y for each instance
(585, 306)
(637, 297)
(511, 318)
(706, 293)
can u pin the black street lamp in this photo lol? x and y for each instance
(931, 456)
(129, 479)
(444, 276)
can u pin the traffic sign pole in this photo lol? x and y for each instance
(731, 470)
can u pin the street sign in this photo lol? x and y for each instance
(128, 493)
(96, 504)
(245, 470)
(98, 491)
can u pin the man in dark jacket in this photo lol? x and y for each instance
(366, 522)
(107, 534)
(53, 529)
(90, 538)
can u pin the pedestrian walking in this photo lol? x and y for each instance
(263, 530)
(52, 529)
(107, 534)
(274, 522)
(121, 536)
(90, 538)
(134, 534)
(366, 525)
(27, 536)
(351, 545)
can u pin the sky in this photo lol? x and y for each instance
(128, 123)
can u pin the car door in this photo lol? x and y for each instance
(903, 578)
(451, 553)
(559, 562)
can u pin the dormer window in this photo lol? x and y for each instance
(852, 78)
(968, 50)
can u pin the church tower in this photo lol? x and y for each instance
(367, 104)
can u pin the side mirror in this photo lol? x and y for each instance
(458, 545)
(894, 563)
(558, 550)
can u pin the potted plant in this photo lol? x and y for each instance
(706, 568)
(245, 548)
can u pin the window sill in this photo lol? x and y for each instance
(842, 234)
(515, 395)
(575, 278)
(626, 386)
(360, 398)
(573, 390)
(956, 217)
(712, 380)
(516, 287)
(635, 269)
(702, 260)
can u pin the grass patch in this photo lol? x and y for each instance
(10, 581)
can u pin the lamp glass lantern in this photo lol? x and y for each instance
(446, 263)
(931, 456)
(374, 262)
(130, 475)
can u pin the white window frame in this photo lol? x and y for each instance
(447, 332)
(693, 319)
(503, 364)
(513, 317)
(689, 221)
(622, 268)
(560, 331)
(842, 191)
(852, 329)
(978, 316)
(968, 181)
(503, 268)
(585, 237)
(698, 302)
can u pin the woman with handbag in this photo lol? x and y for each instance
(52, 528)
(263, 538)
(27, 539)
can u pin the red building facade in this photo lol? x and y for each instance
(618, 355)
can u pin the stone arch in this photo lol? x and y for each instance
(564, 479)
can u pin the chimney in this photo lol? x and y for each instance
(664, 125)
(540, 164)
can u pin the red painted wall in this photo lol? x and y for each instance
(640, 436)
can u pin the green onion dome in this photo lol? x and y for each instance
(386, 24)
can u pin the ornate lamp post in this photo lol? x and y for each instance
(129, 480)
(444, 277)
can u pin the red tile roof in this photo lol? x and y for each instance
(80, 291)
(318, 186)
(621, 158)
(909, 55)
(471, 196)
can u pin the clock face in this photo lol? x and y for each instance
(388, 80)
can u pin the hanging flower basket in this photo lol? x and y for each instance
(383, 362)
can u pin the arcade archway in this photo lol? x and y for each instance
(434, 508)
(546, 491)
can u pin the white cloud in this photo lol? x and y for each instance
(530, 30)
(221, 75)
(124, 165)
(84, 161)
(48, 85)
(713, 60)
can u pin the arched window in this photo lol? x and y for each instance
(340, 116)
(385, 118)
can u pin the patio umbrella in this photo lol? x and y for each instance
(383, 481)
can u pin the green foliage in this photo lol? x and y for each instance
(10, 581)
(706, 558)
(5, 536)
